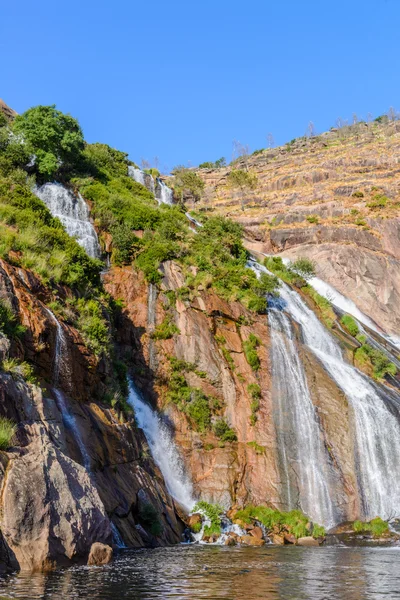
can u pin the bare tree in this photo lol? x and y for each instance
(156, 163)
(311, 131)
(270, 140)
(240, 150)
(145, 164)
(392, 114)
(369, 117)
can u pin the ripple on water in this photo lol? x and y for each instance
(202, 572)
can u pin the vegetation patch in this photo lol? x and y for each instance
(7, 432)
(350, 325)
(165, 330)
(381, 366)
(376, 527)
(19, 369)
(257, 448)
(213, 513)
(294, 522)
(250, 351)
(255, 393)
(9, 323)
(224, 432)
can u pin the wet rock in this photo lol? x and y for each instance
(100, 554)
(249, 540)
(257, 532)
(194, 520)
(307, 541)
(277, 539)
(289, 538)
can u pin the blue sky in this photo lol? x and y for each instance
(182, 80)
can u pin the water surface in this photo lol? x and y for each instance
(213, 572)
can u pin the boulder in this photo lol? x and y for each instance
(307, 541)
(289, 538)
(249, 540)
(100, 554)
(257, 532)
(278, 539)
(194, 520)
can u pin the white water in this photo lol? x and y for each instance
(73, 213)
(376, 417)
(163, 449)
(61, 362)
(164, 194)
(193, 220)
(137, 174)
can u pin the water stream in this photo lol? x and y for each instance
(163, 449)
(376, 413)
(73, 213)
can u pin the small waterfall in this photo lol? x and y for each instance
(193, 220)
(163, 449)
(137, 174)
(60, 353)
(376, 414)
(118, 541)
(303, 456)
(73, 213)
(164, 194)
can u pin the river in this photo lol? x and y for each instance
(214, 572)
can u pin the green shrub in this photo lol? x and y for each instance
(293, 521)
(187, 181)
(303, 267)
(358, 194)
(350, 324)
(17, 368)
(244, 180)
(198, 409)
(378, 201)
(312, 219)
(196, 527)
(380, 363)
(7, 432)
(9, 325)
(54, 138)
(150, 519)
(257, 448)
(377, 527)
(93, 326)
(250, 350)
(224, 432)
(212, 512)
(165, 330)
(255, 392)
(318, 531)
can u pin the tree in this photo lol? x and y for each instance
(54, 138)
(303, 267)
(270, 140)
(187, 181)
(244, 181)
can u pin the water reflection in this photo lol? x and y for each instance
(200, 572)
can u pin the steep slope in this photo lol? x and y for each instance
(333, 198)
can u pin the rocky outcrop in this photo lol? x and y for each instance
(77, 467)
(100, 554)
(317, 197)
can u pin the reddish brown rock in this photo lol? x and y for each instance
(307, 541)
(249, 540)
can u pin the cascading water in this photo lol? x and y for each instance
(137, 174)
(69, 420)
(163, 449)
(193, 220)
(304, 459)
(164, 194)
(73, 213)
(376, 414)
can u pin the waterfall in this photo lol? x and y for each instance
(303, 456)
(163, 449)
(193, 220)
(137, 175)
(73, 213)
(60, 352)
(348, 306)
(376, 413)
(164, 194)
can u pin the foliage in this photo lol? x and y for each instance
(7, 432)
(149, 516)
(250, 350)
(125, 245)
(55, 139)
(165, 330)
(377, 527)
(213, 513)
(380, 363)
(244, 180)
(294, 522)
(196, 527)
(257, 448)
(378, 201)
(17, 369)
(350, 324)
(224, 432)
(188, 182)
(312, 219)
(92, 324)
(358, 194)
(9, 324)
(221, 162)
(255, 392)
(303, 267)
(198, 409)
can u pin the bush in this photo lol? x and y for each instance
(9, 325)
(380, 363)
(224, 432)
(198, 409)
(312, 219)
(244, 180)
(358, 194)
(350, 324)
(19, 369)
(7, 432)
(250, 350)
(213, 513)
(93, 326)
(378, 201)
(187, 181)
(54, 138)
(377, 527)
(165, 330)
(294, 521)
(303, 267)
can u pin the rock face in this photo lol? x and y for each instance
(76, 468)
(100, 554)
(322, 198)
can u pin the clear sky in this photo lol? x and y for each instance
(182, 79)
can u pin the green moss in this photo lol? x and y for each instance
(258, 449)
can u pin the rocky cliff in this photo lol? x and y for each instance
(333, 198)
(77, 468)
